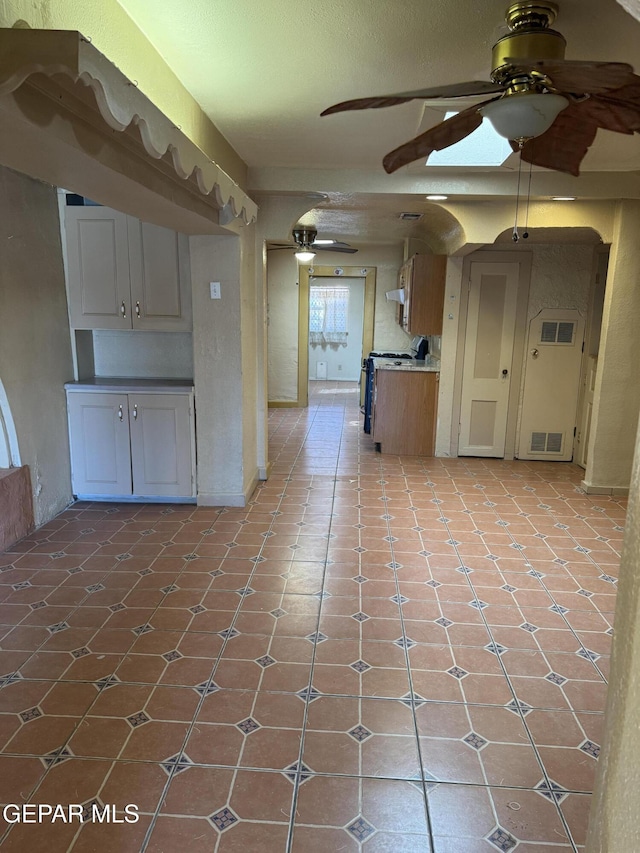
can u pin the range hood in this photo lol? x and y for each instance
(395, 295)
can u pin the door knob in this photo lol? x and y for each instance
(505, 372)
(534, 353)
(135, 412)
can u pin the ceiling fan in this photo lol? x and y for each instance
(307, 244)
(548, 107)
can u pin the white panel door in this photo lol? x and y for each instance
(160, 281)
(161, 447)
(99, 437)
(551, 385)
(98, 268)
(488, 354)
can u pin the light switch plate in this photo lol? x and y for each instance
(214, 289)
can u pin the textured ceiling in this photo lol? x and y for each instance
(263, 71)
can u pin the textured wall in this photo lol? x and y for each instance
(617, 391)
(141, 354)
(35, 348)
(613, 824)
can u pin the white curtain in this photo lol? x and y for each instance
(329, 315)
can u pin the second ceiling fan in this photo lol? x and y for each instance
(307, 244)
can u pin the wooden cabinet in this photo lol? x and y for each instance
(124, 273)
(131, 444)
(423, 280)
(405, 405)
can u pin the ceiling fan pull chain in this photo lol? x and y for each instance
(526, 216)
(515, 237)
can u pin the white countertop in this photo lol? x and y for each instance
(116, 383)
(429, 365)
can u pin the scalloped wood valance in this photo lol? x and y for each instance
(69, 61)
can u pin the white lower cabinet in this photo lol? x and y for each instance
(131, 444)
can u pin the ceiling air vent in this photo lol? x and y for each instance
(411, 217)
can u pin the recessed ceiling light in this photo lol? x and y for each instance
(437, 197)
(563, 198)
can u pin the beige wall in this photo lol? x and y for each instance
(613, 824)
(282, 297)
(116, 36)
(617, 391)
(35, 350)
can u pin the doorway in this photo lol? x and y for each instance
(326, 277)
(336, 317)
(494, 312)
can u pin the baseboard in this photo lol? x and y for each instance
(595, 489)
(265, 472)
(231, 498)
(136, 499)
(284, 404)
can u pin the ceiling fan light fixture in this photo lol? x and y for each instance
(305, 255)
(524, 115)
(323, 242)
(436, 197)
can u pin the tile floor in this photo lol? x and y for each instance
(377, 654)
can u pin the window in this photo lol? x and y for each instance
(329, 315)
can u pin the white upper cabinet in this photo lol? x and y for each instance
(124, 273)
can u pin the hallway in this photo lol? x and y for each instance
(377, 654)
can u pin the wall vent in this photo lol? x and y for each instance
(557, 332)
(546, 442)
(411, 217)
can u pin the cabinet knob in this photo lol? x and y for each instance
(120, 413)
(123, 309)
(135, 412)
(138, 310)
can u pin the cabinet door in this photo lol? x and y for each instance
(161, 444)
(406, 403)
(423, 313)
(98, 268)
(99, 437)
(160, 280)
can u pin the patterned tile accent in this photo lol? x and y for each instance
(56, 756)
(457, 672)
(309, 693)
(142, 629)
(495, 648)
(590, 748)
(247, 726)
(527, 626)
(360, 733)
(475, 741)
(180, 762)
(316, 637)
(106, 682)
(360, 666)
(360, 617)
(360, 829)
(228, 633)
(587, 654)
(552, 791)
(173, 655)
(554, 678)
(206, 688)
(31, 714)
(444, 622)
(518, 707)
(298, 769)
(265, 661)
(502, 840)
(405, 643)
(278, 612)
(59, 626)
(223, 819)
(138, 719)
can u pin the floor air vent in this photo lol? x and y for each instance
(546, 442)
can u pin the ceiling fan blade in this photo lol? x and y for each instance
(613, 111)
(276, 248)
(563, 147)
(435, 139)
(347, 250)
(454, 90)
(579, 78)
